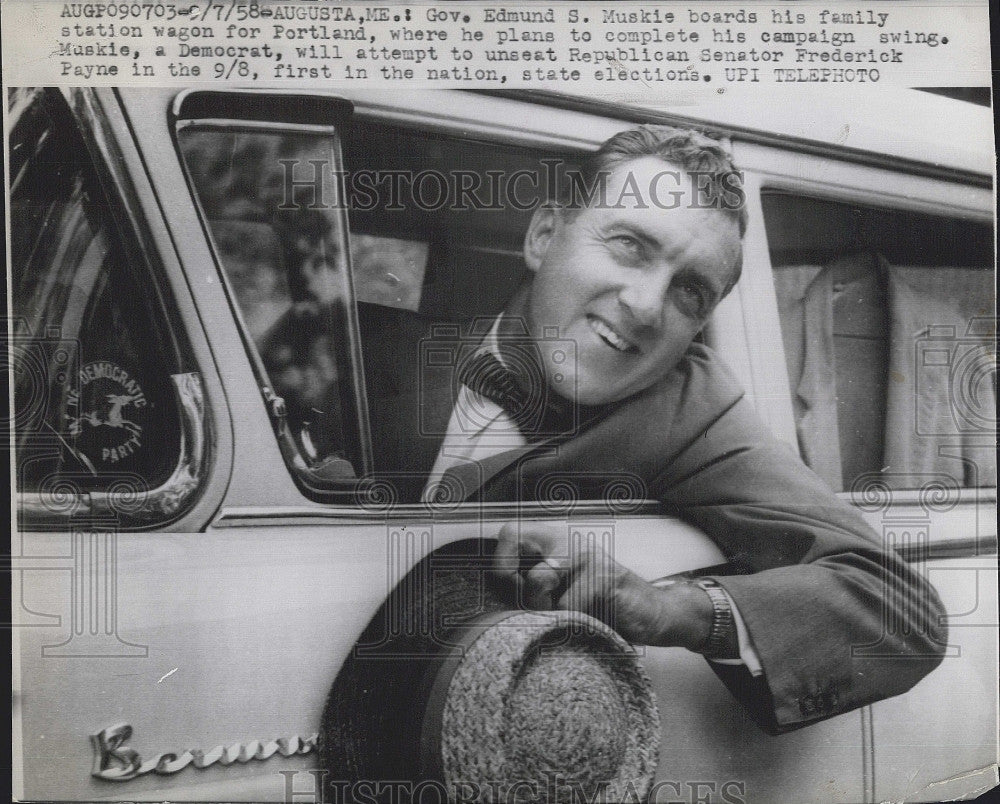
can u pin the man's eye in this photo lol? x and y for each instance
(693, 298)
(626, 240)
(627, 244)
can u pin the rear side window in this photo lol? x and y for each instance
(888, 335)
(103, 398)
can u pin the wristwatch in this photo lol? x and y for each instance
(721, 642)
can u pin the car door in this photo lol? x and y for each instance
(244, 611)
(184, 648)
(886, 268)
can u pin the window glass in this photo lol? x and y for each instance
(885, 317)
(269, 201)
(95, 365)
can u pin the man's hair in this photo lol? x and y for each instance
(692, 151)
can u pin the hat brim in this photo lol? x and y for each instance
(391, 713)
(374, 712)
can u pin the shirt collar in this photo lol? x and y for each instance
(491, 343)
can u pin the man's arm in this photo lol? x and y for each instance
(836, 621)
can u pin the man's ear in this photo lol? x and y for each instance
(543, 225)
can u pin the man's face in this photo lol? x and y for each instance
(629, 282)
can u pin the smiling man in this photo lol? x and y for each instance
(594, 371)
(631, 283)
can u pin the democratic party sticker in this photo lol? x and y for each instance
(107, 415)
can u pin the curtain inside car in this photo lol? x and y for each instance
(864, 397)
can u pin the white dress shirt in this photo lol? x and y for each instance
(478, 428)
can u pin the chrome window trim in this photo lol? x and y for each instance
(880, 498)
(948, 546)
(278, 516)
(636, 114)
(251, 126)
(973, 209)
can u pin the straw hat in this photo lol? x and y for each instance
(451, 686)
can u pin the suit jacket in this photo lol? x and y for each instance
(811, 581)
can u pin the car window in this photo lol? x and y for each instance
(460, 208)
(269, 200)
(99, 382)
(885, 321)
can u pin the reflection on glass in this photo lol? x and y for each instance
(268, 199)
(388, 271)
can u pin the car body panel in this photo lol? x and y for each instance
(232, 634)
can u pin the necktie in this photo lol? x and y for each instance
(537, 411)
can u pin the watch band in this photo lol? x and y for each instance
(719, 644)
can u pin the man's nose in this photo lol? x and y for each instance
(644, 298)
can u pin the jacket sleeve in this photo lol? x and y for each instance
(837, 621)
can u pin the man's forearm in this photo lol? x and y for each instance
(678, 615)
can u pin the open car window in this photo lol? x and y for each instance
(432, 237)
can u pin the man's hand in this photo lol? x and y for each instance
(551, 571)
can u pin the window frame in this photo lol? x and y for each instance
(78, 116)
(959, 526)
(363, 498)
(242, 112)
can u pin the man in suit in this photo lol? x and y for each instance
(622, 284)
